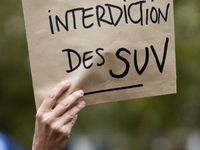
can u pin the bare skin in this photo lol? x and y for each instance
(53, 125)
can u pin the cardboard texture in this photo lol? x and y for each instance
(113, 50)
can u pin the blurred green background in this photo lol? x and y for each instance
(159, 123)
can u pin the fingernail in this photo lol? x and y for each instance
(82, 104)
(67, 82)
(81, 92)
(76, 116)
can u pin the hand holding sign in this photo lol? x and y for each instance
(53, 126)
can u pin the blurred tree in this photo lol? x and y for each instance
(17, 108)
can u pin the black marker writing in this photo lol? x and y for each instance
(96, 15)
(69, 52)
(124, 60)
(159, 65)
(86, 57)
(145, 63)
(89, 55)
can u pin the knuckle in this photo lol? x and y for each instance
(51, 95)
(65, 104)
(56, 127)
(71, 114)
(39, 115)
(47, 120)
(73, 122)
(66, 133)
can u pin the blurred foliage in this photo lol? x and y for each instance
(156, 123)
(17, 108)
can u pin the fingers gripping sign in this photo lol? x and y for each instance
(51, 98)
(53, 125)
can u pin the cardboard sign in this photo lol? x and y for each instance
(111, 49)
